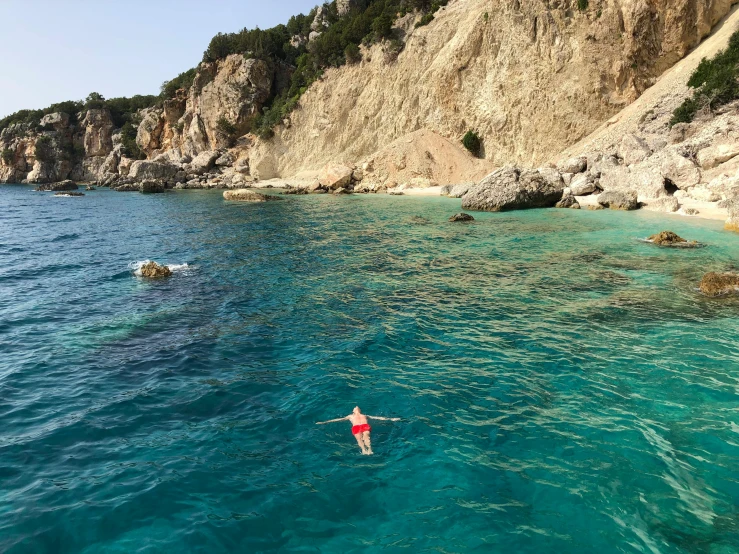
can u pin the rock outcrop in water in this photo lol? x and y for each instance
(56, 187)
(668, 238)
(244, 195)
(461, 217)
(719, 284)
(153, 270)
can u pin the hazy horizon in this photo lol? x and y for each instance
(64, 51)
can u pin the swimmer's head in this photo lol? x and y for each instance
(357, 410)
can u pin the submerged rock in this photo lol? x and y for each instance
(153, 270)
(719, 284)
(295, 191)
(668, 238)
(616, 200)
(511, 188)
(461, 217)
(243, 195)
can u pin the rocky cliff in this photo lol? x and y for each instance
(531, 78)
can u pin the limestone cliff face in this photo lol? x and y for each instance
(532, 77)
(82, 150)
(233, 90)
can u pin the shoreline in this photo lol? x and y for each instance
(706, 210)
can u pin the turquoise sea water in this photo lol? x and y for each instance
(562, 385)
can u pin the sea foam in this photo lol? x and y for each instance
(136, 267)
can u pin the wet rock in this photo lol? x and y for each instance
(151, 187)
(57, 187)
(342, 190)
(689, 211)
(719, 284)
(668, 238)
(90, 187)
(153, 270)
(295, 191)
(461, 217)
(511, 188)
(68, 194)
(128, 187)
(243, 195)
(616, 200)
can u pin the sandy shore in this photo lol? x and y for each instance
(706, 210)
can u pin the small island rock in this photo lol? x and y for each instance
(668, 238)
(461, 217)
(719, 284)
(153, 270)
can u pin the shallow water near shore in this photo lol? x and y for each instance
(563, 386)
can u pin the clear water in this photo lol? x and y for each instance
(563, 388)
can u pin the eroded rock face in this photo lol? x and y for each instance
(151, 187)
(719, 284)
(97, 127)
(511, 188)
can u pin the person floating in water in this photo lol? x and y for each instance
(360, 428)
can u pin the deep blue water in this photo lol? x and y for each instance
(563, 387)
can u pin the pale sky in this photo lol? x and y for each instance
(55, 50)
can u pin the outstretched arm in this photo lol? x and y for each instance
(382, 418)
(332, 420)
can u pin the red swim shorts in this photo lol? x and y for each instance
(364, 428)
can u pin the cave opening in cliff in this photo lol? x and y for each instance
(670, 187)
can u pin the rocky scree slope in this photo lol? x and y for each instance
(531, 77)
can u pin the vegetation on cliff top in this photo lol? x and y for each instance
(716, 83)
(122, 110)
(367, 22)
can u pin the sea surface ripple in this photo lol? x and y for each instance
(562, 385)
